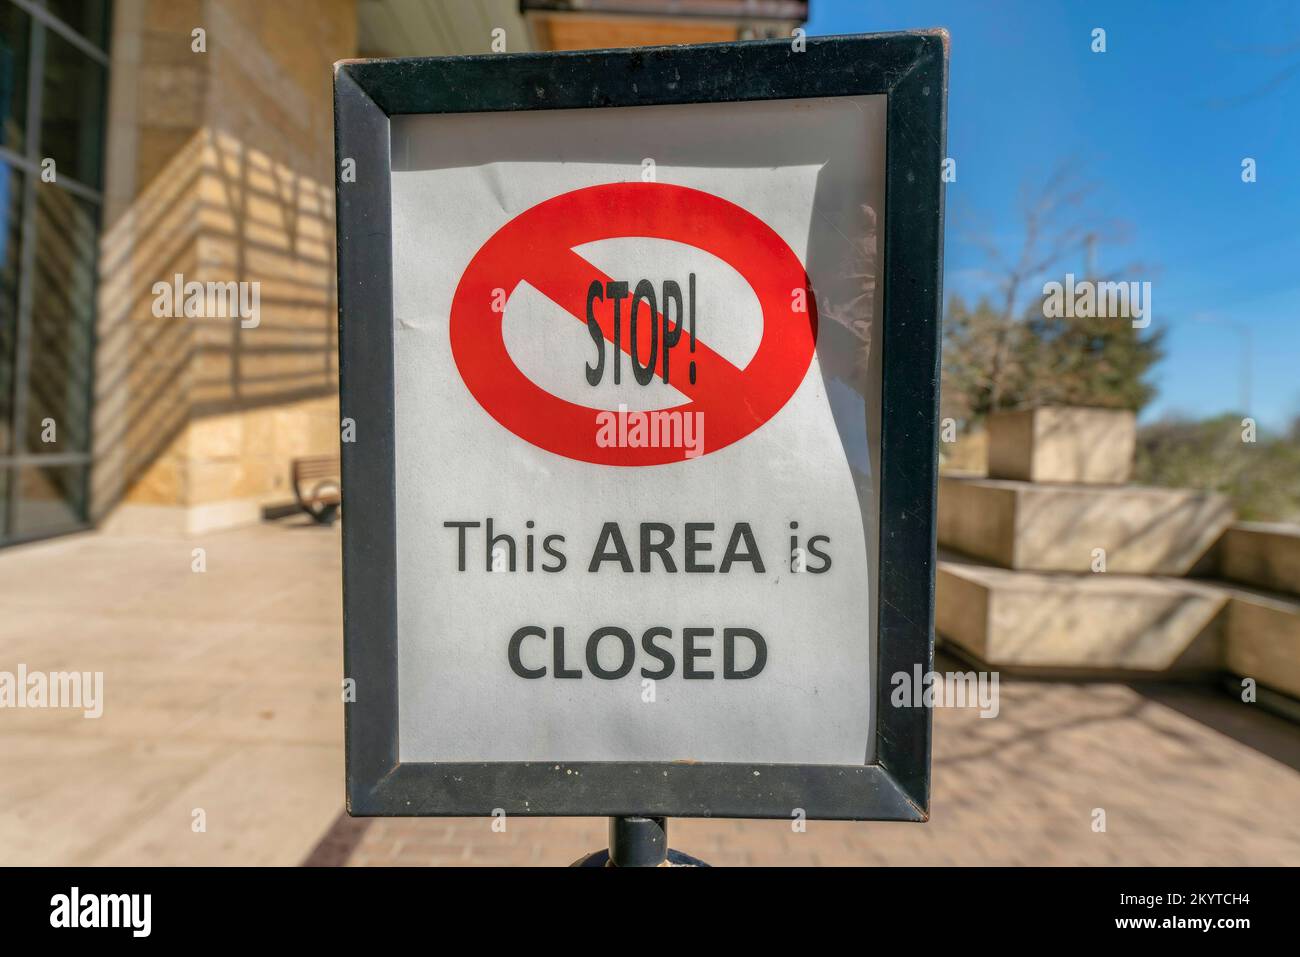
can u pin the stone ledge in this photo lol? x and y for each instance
(1261, 555)
(1062, 444)
(1262, 637)
(1055, 528)
(1098, 623)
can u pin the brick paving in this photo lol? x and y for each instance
(1020, 788)
(222, 694)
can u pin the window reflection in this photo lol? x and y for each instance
(49, 499)
(63, 304)
(15, 37)
(72, 110)
(87, 17)
(49, 233)
(11, 193)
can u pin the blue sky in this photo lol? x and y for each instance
(1160, 124)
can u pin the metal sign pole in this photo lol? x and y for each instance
(636, 841)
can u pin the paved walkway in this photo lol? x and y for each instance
(222, 695)
(1017, 789)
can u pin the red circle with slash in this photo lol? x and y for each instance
(537, 246)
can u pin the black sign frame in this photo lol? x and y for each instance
(911, 69)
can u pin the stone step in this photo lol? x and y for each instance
(1262, 637)
(1091, 623)
(1260, 555)
(1056, 528)
(1062, 444)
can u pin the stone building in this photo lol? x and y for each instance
(168, 321)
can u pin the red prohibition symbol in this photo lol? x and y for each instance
(537, 246)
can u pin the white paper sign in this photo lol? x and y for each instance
(637, 431)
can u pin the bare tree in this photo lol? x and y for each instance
(989, 360)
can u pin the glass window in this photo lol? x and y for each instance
(48, 499)
(15, 38)
(87, 17)
(72, 110)
(62, 324)
(49, 237)
(11, 219)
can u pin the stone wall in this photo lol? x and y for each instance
(220, 168)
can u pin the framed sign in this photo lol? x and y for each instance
(639, 355)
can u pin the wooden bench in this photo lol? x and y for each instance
(318, 487)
